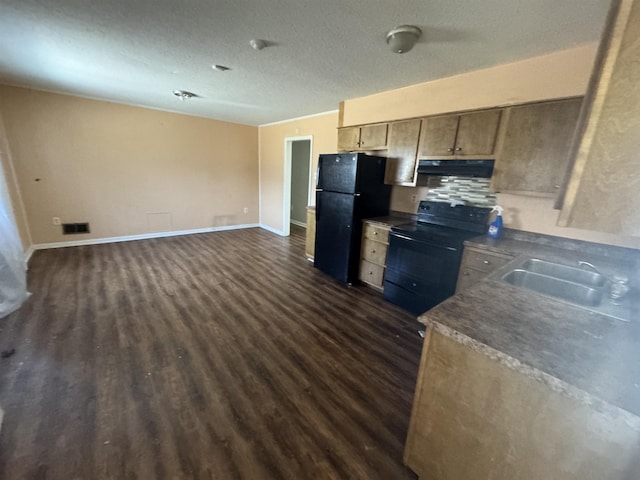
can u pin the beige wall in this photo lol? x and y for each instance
(323, 129)
(538, 215)
(7, 175)
(126, 170)
(557, 75)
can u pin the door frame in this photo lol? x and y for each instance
(286, 203)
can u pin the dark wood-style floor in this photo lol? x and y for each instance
(222, 355)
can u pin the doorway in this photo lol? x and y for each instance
(298, 182)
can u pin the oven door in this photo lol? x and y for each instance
(420, 274)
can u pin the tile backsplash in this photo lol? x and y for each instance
(471, 191)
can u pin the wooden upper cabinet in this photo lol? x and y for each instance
(603, 193)
(367, 137)
(438, 135)
(402, 153)
(477, 133)
(348, 139)
(469, 134)
(373, 137)
(535, 146)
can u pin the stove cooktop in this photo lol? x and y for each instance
(445, 224)
(436, 234)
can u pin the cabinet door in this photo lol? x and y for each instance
(604, 190)
(438, 135)
(477, 264)
(477, 133)
(348, 139)
(373, 137)
(536, 146)
(402, 153)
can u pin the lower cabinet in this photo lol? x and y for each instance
(373, 253)
(477, 264)
(310, 243)
(473, 417)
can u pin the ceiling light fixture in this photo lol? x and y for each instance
(402, 39)
(184, 95)
(220, 68)
(257, 44)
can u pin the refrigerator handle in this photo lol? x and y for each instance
(356, 194)
(318, 208)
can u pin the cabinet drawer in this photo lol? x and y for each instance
(371, 273)
(468, 277)
(374, 252)
(379, 233)
(484, 261)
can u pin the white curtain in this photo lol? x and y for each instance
(13, 272)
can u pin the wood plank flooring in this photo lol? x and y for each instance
(223, 355)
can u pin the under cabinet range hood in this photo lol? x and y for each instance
(458, 168)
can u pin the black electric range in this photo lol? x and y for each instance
(424, 257)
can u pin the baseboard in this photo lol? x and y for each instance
(144, 236)
(28, 253)
(300, 224)
(272, 230)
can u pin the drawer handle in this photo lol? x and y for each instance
(375, 233)
(373, 251)
(486, 262)
(466, 272)
(370, 273)
(414, 284)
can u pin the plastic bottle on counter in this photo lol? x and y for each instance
(495, 227)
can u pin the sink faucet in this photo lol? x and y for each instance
(618, 285)
(592, 267)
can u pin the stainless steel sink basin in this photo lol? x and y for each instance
(564, 272)
(554, 286)
(571, 284)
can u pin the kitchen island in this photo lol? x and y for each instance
(516, 385)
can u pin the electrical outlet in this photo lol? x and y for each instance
(414, 198)
(245, 210)
(55, 220)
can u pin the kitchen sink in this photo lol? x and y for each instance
(563, 272)
(588, 289)
(571, 291)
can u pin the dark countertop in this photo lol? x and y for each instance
(393, 219)
(583, 354)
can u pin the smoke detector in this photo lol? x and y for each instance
(184, 95)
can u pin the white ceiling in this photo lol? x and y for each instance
(322, 51)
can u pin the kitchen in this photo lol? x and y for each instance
(568, 71)
(469, 334)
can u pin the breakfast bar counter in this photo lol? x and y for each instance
(516, 384)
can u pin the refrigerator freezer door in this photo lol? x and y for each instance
(335, 233)
(337, 172)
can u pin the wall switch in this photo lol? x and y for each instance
(55, 220)
(245, 210)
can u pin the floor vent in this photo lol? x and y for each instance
(71, 228)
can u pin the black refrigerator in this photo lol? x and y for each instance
(349, 188)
